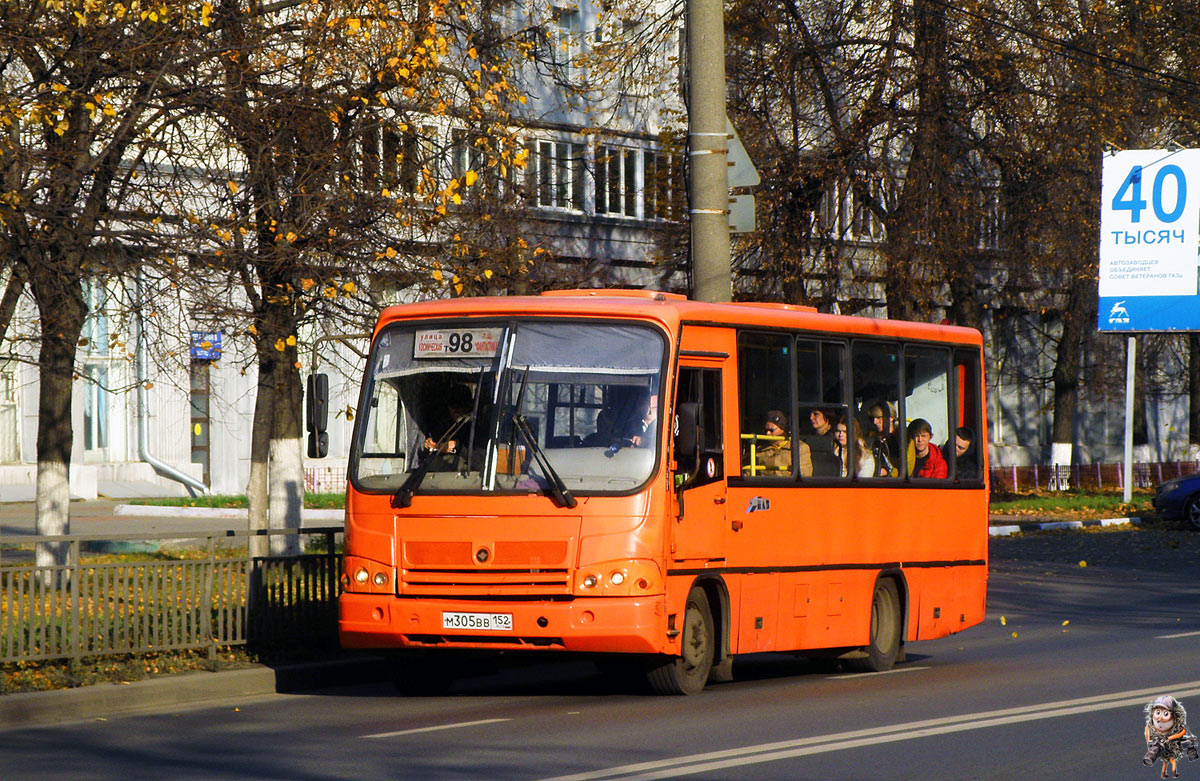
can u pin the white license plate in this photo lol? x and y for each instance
(481, 622)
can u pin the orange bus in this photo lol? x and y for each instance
(821, 487)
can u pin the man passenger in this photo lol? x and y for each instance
(924, 457)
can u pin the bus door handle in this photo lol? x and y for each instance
(718, 500)
(736, 524)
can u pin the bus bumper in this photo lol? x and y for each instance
(622, 625)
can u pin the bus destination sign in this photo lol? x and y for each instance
(457, 343)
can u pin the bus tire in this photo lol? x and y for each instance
(884, 645)
(688, 672)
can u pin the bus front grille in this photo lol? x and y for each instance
(486, 583)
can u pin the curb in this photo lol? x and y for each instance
(231, 513)
(102, 700)
(1004, 531)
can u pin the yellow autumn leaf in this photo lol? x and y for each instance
(58, 87)
(291, 340)
(252, 330)
(1064, 623)
(437, 275)
(487, 273)
(474, 55)
(1014, 635)
(458, 288)
(330, 292)
(349, 287)
(280, 345)
(470, 178)
(1083, 563)
(457, 199)
(391, 252)
(1003, 621)
(307, 284)
(233, 186)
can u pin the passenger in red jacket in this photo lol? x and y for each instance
(924, 457)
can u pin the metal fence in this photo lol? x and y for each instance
(1091, 477)
(325, 479)
(224, 597)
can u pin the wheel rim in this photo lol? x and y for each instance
(883, 620)
(1193, 512)
(696, 641)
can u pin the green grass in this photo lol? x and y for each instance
(1073, 504)
(335, 501)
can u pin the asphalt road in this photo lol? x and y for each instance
(1051, 685)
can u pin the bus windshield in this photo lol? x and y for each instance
(522, 406)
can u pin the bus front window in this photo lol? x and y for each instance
(533, 406)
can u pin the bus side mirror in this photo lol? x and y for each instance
(317, 415)
(687, 440)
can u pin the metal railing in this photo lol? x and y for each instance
(325, 479)
(223, 597)
(1094, 477)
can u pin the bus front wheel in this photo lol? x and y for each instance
(884, 645)
(688, 672)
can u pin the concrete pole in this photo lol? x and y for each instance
(707, 152)
(1130, 375)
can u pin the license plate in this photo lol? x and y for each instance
(481, 622)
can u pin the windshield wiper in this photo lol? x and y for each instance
(557, 487)
(404, 494)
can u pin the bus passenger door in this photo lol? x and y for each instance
(700, 520)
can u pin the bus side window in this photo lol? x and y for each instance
(927, 411)
(702, 388)
(822, 398)
(765, 390)
(968, 442)
(876, 387)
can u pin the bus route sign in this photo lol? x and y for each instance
(1149, 236)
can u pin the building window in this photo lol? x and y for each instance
(95, 408)
(555, 175)
(617, 181)
(10, 439)
(564, 42)
(200, 398)
(664, 186)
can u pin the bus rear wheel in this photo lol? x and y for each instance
(884, 644)
(688, 672)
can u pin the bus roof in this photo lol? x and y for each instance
(672, 309)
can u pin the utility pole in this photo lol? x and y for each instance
(707, 151)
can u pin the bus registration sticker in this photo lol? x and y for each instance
(484, 622)
(457, 343)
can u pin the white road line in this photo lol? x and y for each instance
(893, 671)
(1181, 634)
(435, 729)
(770, 752)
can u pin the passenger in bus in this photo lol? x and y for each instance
(822, 444)
(643, 430)
(864, 462)
(882, 437)
(966, 457)
(452, 451)
(924, 457)
(603, 435)
(775, 457)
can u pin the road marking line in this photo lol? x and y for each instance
(1181, 634)
(770, 752)
(868, 675)
(435, 729)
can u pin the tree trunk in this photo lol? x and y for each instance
(260, 451)
(287, 464)
(62, 309)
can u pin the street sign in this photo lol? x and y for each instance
(206, 345)
(742, 172)
(1149, 237)
(741, 214)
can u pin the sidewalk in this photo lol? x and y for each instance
(1004, 525)
(31, 709)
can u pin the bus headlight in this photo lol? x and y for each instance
(361, 575)
(380, 578)
(630, 577)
